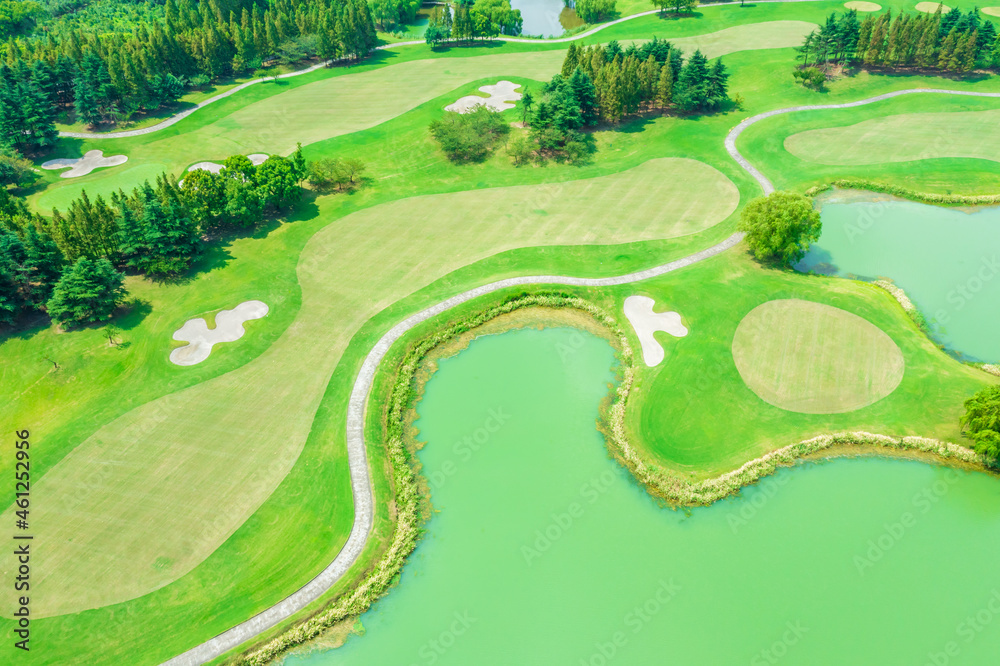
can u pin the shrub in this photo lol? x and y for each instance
(780, 227)
(810, 77)
(344, 174)
(520, 149)
(470, 137)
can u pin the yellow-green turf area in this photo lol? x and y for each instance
(693, 413)
(350, 103)
(812, 358)
(132, 532)
(902, 138)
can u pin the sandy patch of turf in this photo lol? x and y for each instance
(931, 7)
(812, 358)
(902, 138)
(150, 495)
(991, 11)
(860, 6)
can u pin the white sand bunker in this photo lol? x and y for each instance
(255, 158)
(860, 6)
(500, 97)
(81, 166)
(228, 328)
(991, 11)
(639, 312)
(931, 7)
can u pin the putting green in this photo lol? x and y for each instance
(150, 495)
(902, 138)
(931, 7)
(860, 6)
(991, 11)
(815, 359)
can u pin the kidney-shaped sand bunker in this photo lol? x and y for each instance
(815, 359)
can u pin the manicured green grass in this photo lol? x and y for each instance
(694, 413)
(811, 358)
(353, 291)
(219, 437)
(902, 138)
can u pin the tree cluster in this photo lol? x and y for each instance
(595, 11)
(982, 421)
(390, 14)
(108, 75)
(651, 75)
(678, 6)
(241, 193)
(156, 229)
(952, 42)
(30, 261)
(470, 137)
(70, 265)
(473, 19)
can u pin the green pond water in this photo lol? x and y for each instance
(947, 260)
(544, 552)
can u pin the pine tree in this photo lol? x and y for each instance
(88, 291)
(585, 94)
(665, 86)
(571, 60)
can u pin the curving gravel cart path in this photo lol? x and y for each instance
(357, 455)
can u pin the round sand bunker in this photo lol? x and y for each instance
(81, 166)
(991, 11)
(228, 328)
(815, 359)
(931, 7)
(860, 6)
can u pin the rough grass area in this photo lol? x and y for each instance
(811, 358)
(902, 138)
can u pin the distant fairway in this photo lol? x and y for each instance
(815, 359)
(902, 138)
(861, 6)
(752, 37)
(329, 107)
(109, 509)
